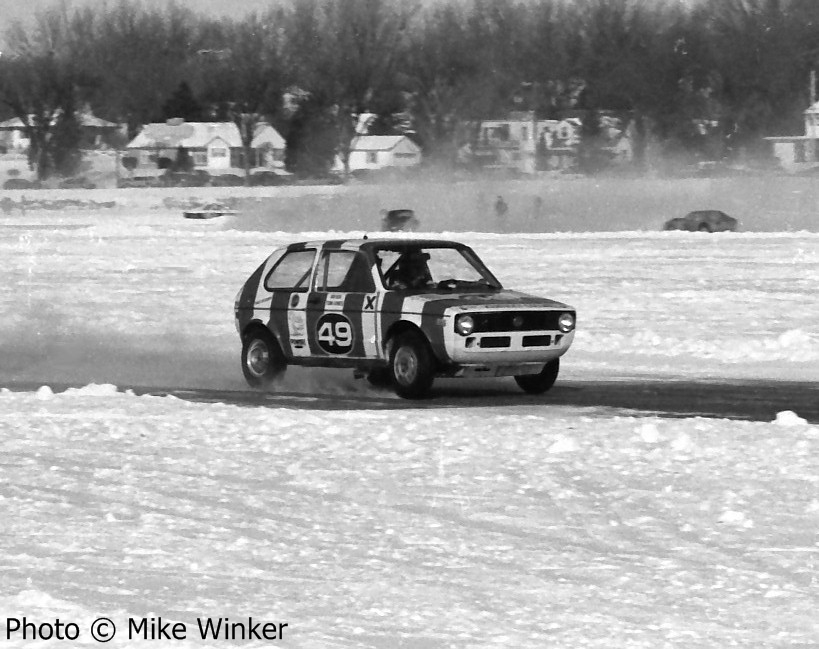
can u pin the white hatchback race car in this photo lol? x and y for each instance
(402, 311)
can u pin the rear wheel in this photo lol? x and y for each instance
(262, 358)
(542, 381)
(412, 365)
(704, 227)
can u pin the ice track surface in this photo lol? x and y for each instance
(664, 494)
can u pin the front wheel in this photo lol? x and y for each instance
(542, 381)
(412, 365)
(262, 358)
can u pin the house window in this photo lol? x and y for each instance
(524, 133)
(799, 152)
(218, 153)
(405, 155)
(200, 159)
(372, 157)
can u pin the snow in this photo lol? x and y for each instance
(381, 526)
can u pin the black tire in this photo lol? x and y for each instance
(542, 381)
(704, 227)
(262, 358)
(412, 365)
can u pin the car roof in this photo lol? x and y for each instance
(370, 244)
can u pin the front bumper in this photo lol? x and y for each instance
(507, 346)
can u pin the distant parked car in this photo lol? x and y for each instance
(703, 221)
(21, 183)
(77, 182)
(227, 180)
(208, 211)
(266, 179)
(399, 220)
(195, 178)
(139, 181)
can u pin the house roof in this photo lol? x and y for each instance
(376, 142)
(197, 135)
(86, 119)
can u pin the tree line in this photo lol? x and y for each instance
(707, 78)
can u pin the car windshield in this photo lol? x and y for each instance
(436, 268)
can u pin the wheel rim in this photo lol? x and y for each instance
(258, 358)
(405, 365)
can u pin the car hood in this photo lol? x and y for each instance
(470, 301)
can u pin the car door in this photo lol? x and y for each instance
(288, 282)
(342, 307)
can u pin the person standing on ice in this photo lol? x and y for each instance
(501, 209)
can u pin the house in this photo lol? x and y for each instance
(215, 147)
(527, 144)
(96, 133)
(380, 151)
(797, 152)
(514, 142)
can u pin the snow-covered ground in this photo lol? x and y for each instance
(402, 527)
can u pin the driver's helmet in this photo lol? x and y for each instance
(412, 268)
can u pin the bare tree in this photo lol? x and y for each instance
(243, 77)
(348, 52)
(41, 92)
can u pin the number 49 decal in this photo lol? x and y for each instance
(334, 333)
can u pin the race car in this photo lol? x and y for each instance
(399, 311)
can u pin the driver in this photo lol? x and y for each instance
(410, 271)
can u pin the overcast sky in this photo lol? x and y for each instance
(11, 10)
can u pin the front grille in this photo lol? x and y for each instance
(505, 321)
(537, 341)
(495, 342)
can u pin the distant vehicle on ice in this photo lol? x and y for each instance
(399, 220)
(703, 221)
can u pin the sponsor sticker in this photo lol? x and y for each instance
(297, 324)
(334, 302)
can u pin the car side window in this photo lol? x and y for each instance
(292, 272)
(344, 271)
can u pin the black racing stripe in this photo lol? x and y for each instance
(437, 307)
(432, 326)
(391, 307)
(333, 244)
(353, 309)
(248, 297)
(278, 319)
(315, 309)
(508, 298)
(295, 247)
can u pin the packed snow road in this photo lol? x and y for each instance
(748, 399)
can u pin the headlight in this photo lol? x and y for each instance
(464, 324)
(565, 322)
